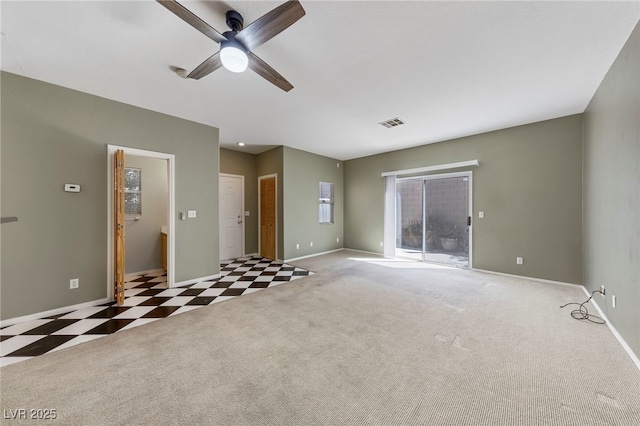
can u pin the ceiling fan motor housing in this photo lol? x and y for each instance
(232, 42)
(234, 20)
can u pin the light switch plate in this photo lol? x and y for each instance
(481, 215)
(71, 187)
(191, 214)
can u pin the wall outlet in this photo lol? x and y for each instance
(519, 260)
(74, 283)
(337, 240)
(481, 215)
(297, 246)
(603, 290)
(614, 299)
(191, 214)
(311, 244)
(381, 244)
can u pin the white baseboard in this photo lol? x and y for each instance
(540, 280)
(623, 343)
(619, 338)
(56, 311)
(312, 255)
(196, 280)
(364, 251)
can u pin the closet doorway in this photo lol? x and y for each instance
(433, 218)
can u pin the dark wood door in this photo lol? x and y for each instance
(268, 218)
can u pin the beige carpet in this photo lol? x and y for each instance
(357, 343)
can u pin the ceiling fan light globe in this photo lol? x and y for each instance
(234, 59)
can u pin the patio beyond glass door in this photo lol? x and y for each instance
(433, 219)
(410, 218)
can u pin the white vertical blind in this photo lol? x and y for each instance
(389, 216)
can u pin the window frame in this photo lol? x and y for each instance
(130, 191)
(324, 201)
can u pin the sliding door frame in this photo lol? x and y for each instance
(424, 178)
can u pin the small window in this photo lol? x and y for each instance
(132, 191)
(326, 202)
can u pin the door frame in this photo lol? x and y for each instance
(171, 164)
(261, 178)
(468, 174)
(242, 237)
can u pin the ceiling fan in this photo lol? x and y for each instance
(236, 45)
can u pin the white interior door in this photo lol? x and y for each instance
(231, 216)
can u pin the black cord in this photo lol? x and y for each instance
(582, 313)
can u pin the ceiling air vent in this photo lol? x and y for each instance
(392, 123)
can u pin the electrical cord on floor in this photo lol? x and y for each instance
(582, 313)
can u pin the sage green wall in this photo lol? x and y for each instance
(271, 162)
(244, 164)
(528, 184)
(303, 172)
(612, 192)
(299, 174)
(51, 136)
(143, 246)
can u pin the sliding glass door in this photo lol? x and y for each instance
(410, 218)
(433, 218)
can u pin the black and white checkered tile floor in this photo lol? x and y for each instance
(147, 299)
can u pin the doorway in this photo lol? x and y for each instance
(146, 209)
(433, 218)
(267, 215)
(112, 253)
(231, 216)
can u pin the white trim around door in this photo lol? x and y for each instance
(467, 174)
(171, 164)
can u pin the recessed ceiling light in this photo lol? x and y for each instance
(240, 144)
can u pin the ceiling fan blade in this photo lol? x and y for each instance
(271, 24)
(187, 16)
(265, 71)
(207, 67)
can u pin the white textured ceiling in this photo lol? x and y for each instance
(448, 69)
